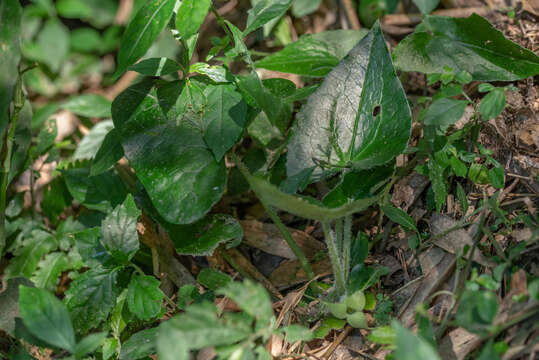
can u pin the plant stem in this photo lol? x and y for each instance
(339, 235)
(338, 273)
(347, 245)
(305, 265)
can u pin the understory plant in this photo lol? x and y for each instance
(193, 131)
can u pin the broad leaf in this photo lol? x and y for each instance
(492, 104)
(359, 117)
(213, 279)
(156, 66)
(51, 46)
(195, 329)
(313, 55)
(251, 298)
(50, 269)
(10, 18)
(139, 345)
(362, 277)
(399, 216)
(91, 143)
(441, 114)
(410, 346)
(102, 192)
(27, 257)
(265, 11)
(119, 231)
(142, 31)
(224, 118)
(89, 247)
(426, 6)
(202, 237)
(471, 44)
(88, 344)
(89, 105)
(108, 154)
(180, 173)
(190, 16)
(144, 297)
(301, 8)
(91, 297)
(477, 310)
(46, 317)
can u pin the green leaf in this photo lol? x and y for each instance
(426, 6)
(46, 137)
(313, 54)
(301, 8)
(469, 44)
(265, 11)
(492, 104)
(296, 332)
(178, 171)
(140, 345)
(190, 16)
(27, 257)
(444, 112)
(144, 297)
(477, 310)
(359, 117)
(496, 177)
(328, 324)
(46, 317)
(9, 303)
(10, 18)
(399, 216)
(85, 40)
(156, 66)
(99, 13)
(102, 192)
(439, 183)
(410, 346)
(90, 144)
(89, 247)
(108, 154)
(51, 46)
(251, 298)
(21, 142)
(119, 231)
(50, 269)
(360, 249)
(142, 31)
(91, 297)
(195, 329)
(224, 118)
(384, 335)
(363, 277)
(216, 73)
(56, 197)
(88, 344)
(463, 200)
(89, 105)
(459, 168)
(478, 174)
(213, 279)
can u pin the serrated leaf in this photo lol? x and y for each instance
(296, 332)
(27, 257)
(90, 144)
(313, 54)
(399, 216)
(359, 117)
(144, 297)
(190, 16)
(469, 44)
(224, 118)
(265, 11)
(89, 105)
(142, 31)
(89, 247)
(251, 298)
(119, 231)
(410, 346)
(91, 297)
(50, 269)
(46, 317)
(195, 329)
(156, 66)
(108, 154)
(179, 172)
(10, 17)
(139, 345)
(203, 236)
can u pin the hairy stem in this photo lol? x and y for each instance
(347, 245)
(338, 271)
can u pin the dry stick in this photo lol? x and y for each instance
(337, 341)
(412, 19)
(351, 14)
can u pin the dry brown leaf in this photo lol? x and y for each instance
(457, 344)
(407, 190)
(290, 273)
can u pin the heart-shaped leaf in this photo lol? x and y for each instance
(359, 117)
(469, 44)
